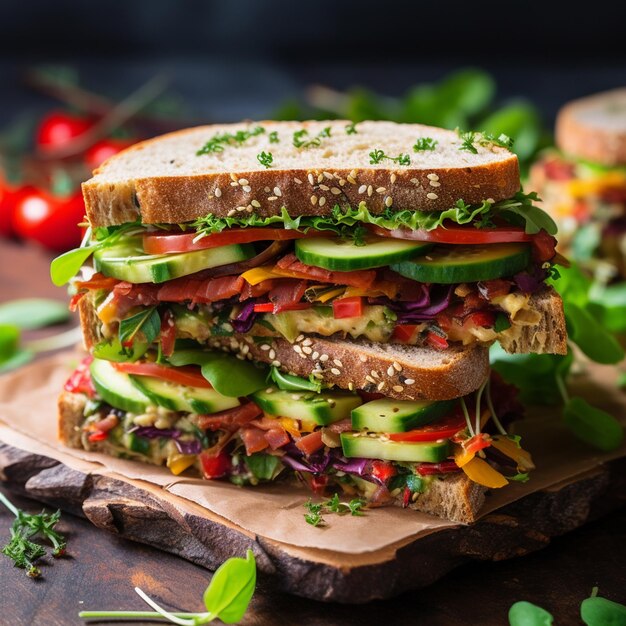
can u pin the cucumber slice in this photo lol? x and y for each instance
(126, 262)
(116, 388)
(320, 408)
(466, 263)
(134, 443)
(397, 416)
(182, 398)
(373, 447)
(343, 256)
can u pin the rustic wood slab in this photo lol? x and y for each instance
(147, 517)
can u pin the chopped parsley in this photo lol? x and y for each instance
(217, 143)
(470, 139)
(351, 129)
(424, 143)
(316, 510)
(302, 139)
(377, 155)
(265, 159)
(273, 137)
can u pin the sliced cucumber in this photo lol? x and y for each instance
(126, 262)
(373, 447)
(136, 444)
(466, 263)
(183, 398)
(397, 416)
(116, 388)
(342, 255)
(320, 408)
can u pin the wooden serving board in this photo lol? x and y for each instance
(141, 512)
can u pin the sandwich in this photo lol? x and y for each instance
(312, 302)
(583, 182)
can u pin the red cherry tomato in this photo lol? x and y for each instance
(9, 197)
(215, 466)
(50, 220)
(103, 150)
(58, 128)
(348, 307)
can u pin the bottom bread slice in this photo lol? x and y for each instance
(450, 496)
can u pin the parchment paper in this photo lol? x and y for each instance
(28, 420)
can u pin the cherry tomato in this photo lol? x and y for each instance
(159, 243)
(103, 150)
(187, 375)
(383, 470)
(455, 234)
(58, 128)
(442, 429)
(348, 307)
(215, 466)
(9, 197)
(50, 220)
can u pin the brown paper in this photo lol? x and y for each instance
(28, 420)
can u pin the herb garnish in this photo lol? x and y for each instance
(226, 598)
(26, 526)
(146, 321)
(273, 137)
(424, 143)
(471, 138)
(377, 155)
(219, 140)
(301, 138)
(351, 129)
(265, 159)
(316, 510)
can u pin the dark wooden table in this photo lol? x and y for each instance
(102, 569)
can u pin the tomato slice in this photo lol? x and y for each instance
(457, 234)
(436, 341)
(442, 429)
(383, 470)
(215, 466)
(164, 243)
(80, 380)
(348, 307)
(404, 333)
(268, 307)
(188, 375)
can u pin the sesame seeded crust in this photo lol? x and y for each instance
(594, 128)
(162, 180)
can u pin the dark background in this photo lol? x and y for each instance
(230, 60)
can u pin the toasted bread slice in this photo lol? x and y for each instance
(164, 180)
(594, 128)
(452, 496)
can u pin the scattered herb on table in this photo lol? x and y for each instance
(226, 598)
(316, 510)
(21, 549)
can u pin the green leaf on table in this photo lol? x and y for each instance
(147, 322)
(33, 313)
(228, 375)
(527, 614)
(592, 425)
(598, 611)
(591, 337)
(68, 264)
(231, 589)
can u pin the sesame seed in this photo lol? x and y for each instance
(362, 358)
(324, 358)
(272, 354)
(397, 366)
(320, 178)
(434, 183)
(235, 184)
(335, 371)
(314, 200)
(398, 388)
(342, 182)
(231, 212)
(299, 337)
(432, 196)
(241, 208)
(415, 181)
(328, 175)
(311, 179)
(408, 381)
(245, 349)
(266, 189)
(370, 191)
(243, 181)
(362, 189)
(272, 198)
(322, 201)
(307, 342)
(265, 347)
(490, 200)
(327, 153)
(277, 191)
(388, 201)
(218, 192)
(324, 187)
(297, 181)
(375, 374)
(233, 177)
(351, 386)
(369, 379)
(276, 363)
(315, 356)
(307, 350)
(255, 203)
(393, 178)
(335, 190)
(318, 375)
(337, 362)
(390, 371)
(247, 188)
(249, 208)
(297, 349)
(380, 190)
(432, 176)
(353, 174)
(351, 180)
(380, 386)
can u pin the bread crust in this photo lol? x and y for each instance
(584, 129)
(315, 190)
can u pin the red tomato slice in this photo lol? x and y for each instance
(383, 470)
(162, 243)
(457, 234)
(215, 466)
(310, 443)
(268, 307)
(187, 375)
(348, 307)
(442, 429)
(436, 341)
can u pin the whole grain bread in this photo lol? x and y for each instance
(164, 180)
(402, 372)
(594, 128)
(452, 496)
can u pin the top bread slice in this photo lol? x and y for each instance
(594, 128)
(164, 180)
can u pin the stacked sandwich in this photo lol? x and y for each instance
(312, 301)
(583, 184)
